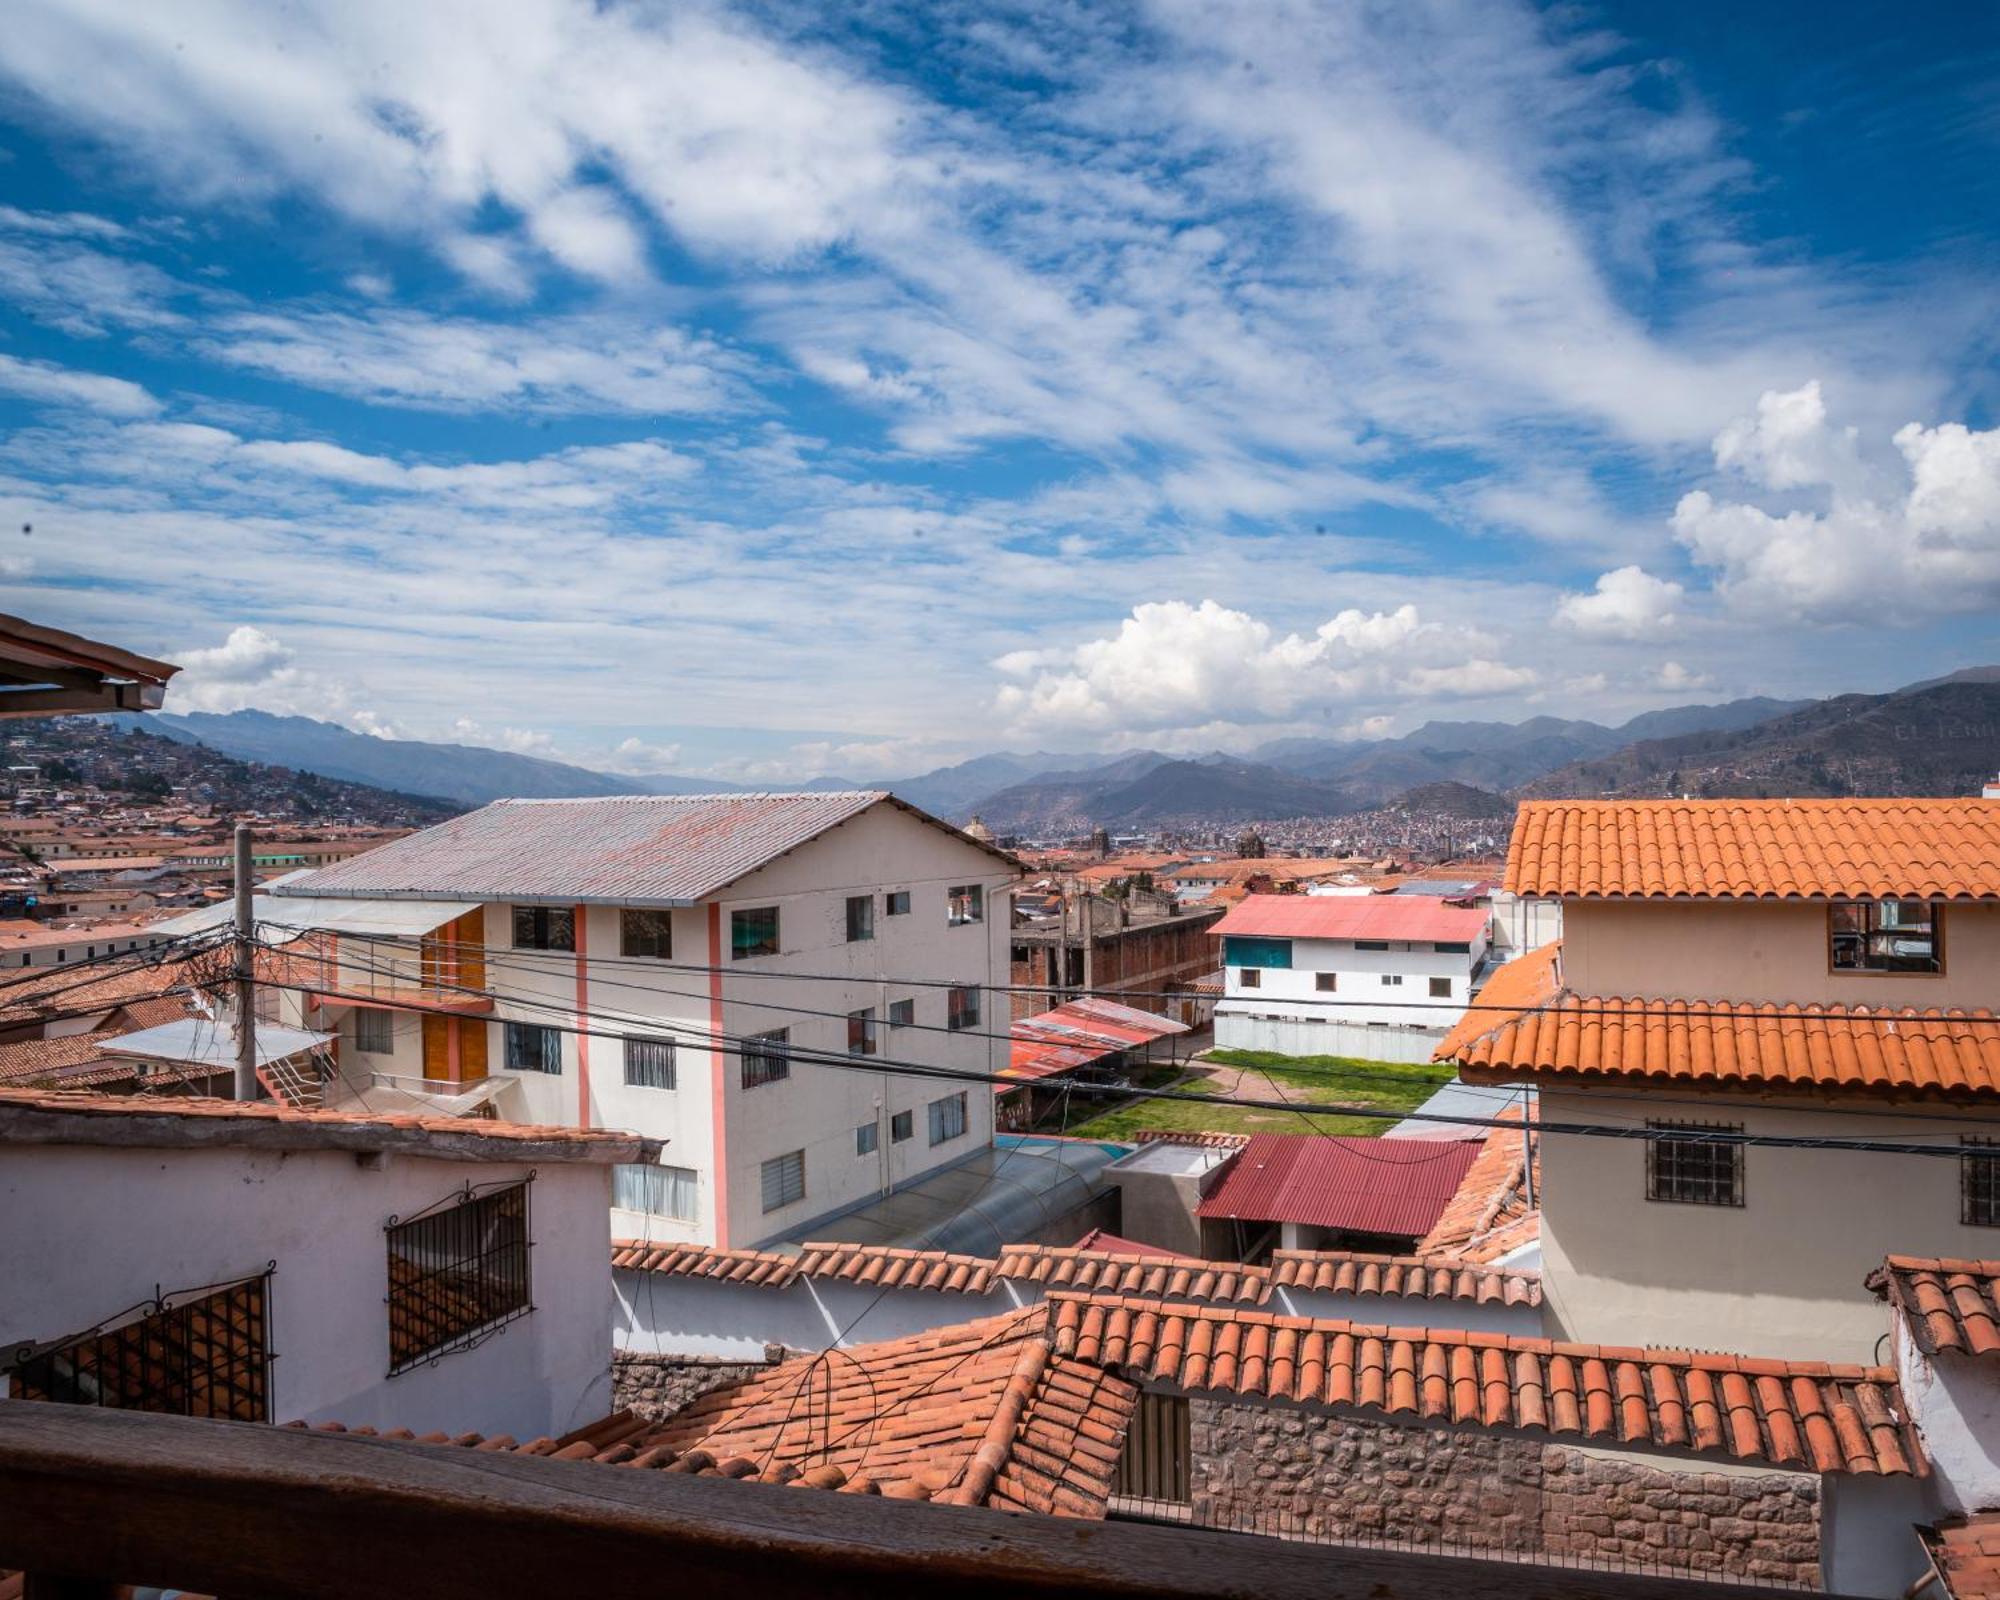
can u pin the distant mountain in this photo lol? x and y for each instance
(1455, 800)
(1181, 791)
(1963, 675)
(1067, 800)
(466, 774)
(1726, 718)
(955, 791)
(1937, 740)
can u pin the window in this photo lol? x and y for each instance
(860, 917)
(456, 1273)
(902, 1013)
(961, 1008)
(544, 928)
(1452, 947)
(1440, 988)
(375, 1033)
(1157, 1461)
(1392, 980)
(1240, 952)
(649, 1063)
(948, 1118)
(1326, 982)
(1886, 936)
(900, 1126)
(646, 933)
(767, 1057)
(753, 933)
(1249, 978)
(784, 1180)
(861, 1032)
(1371, 944)
(897, 902)
(533, 1049)
(1979, 1183)
(657, 1191)
(967, 903)
(1692, 1170)
(866, 1137)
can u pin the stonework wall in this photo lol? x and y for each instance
(655, 1387)
(1282, 1471)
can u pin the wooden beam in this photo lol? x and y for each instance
(238, 1508)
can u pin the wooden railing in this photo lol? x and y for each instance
(92, 1498)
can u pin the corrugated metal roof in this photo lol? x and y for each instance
(282, 920)
(622, 850)
(1362, 1185)
(1300, 916)
(1078, 1033)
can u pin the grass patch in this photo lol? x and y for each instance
(1378, 1085)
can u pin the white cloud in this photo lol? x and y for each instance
(65, 386)
(520, 741)
(1673, 677)
(252, 668)
(59, 224)
(248, 657)
(642, 758)
(1629, 603)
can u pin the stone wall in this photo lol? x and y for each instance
(655, 1387)
(1289, 1472)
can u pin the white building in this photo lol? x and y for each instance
(1382, 978)
(265, 1264)
(675, 964)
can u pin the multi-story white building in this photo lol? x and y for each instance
(1382, 977)
(673, 965)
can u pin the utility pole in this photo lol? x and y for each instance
(246, 971)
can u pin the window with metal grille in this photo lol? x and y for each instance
(753, 933)
(456, 1273)
(901, 1126)
(544, 928)
(648, 934)
(961, 1008)
(866, 1137)
(197, 1353)
(533, 1049)
(657, 1191)
(860, 917)
(965, 903)
(897, 903)
(1691, 1170)
(767, 1057)
(1157, 1461)
(902, 1013)
(1979, 1183)
(861, 1032)
(649, 1063)
(947, 1118)
(375, 1032)
(784, 1180)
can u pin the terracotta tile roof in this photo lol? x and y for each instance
(1098, 1239)
(29, 1116)
(1207, 1140)
(1311, 916)
(1520, 985)
(66, 991)
(1164, 1277)
(876, 1266)
(1488, 1214)
(1801, 1416)
(1947, 1304)
(1409, 1277)
(1697, 1044)
(1757, 849)
(1966, 1554)
(1392, 1186)
(704, 1261)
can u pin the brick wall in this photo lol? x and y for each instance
(655, 1387)
(1289, 1472)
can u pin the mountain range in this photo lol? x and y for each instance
(1935, 737)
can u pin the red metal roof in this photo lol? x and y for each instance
(1326, 1181)
(1078, 1033)
(1330, 916)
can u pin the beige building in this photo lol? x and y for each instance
(1788, 971)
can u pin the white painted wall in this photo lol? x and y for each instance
(1245, 1027)
(1362, 992)
(1955, 1402)
(95, 1230)
(1415, 1311)
(1783, 1274)
(1524, 922)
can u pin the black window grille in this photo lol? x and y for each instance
(1691, 1170)
(1979, 1183)
(456, 1273)
(196, 1353)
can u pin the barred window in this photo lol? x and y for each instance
(649, 1063)
(1979, 1183)
(1157, 1461)
(544, 928)
(456, 1274)
(753, 933)
(533, 1049)
(948, 1118)
(1692, 1170)
(648, 934)
(966, 903)
(860, 917)
(784, 1180)
(375, 1032)
(961, 1008)
(767, 1058)
(657, 1191)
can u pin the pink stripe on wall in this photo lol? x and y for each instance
(719, 1076)
(582, 1020)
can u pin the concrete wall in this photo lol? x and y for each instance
(1245, 1025)
(669, 1314)
(1523, 923)
(1362, 995)
(1721, 950)
(1780, 1275)
(1955, 1400)
(97, 1230)
(1409, 1312)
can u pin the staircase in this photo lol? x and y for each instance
(293, 1082)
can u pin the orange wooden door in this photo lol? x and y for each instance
(437, 1049)
(471, 1050)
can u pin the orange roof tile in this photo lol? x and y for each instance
(1801, 1416)
(1966, 1554)
(1757, 849)
(1164, 1277)
(1488, 1215)
(1418, 1277)
(1525, 982)
(1949, 1055)
(704, 1261)
(1947, 1304)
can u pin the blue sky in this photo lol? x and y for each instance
(777, 389)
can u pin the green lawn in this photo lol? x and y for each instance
(1324, 1080)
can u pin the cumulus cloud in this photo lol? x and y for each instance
(64, 386)
(1174, 665)
(1881, 537)
(1674, 677)
(1629, 603)
(639, 758)
(253, 668)
(520, 741)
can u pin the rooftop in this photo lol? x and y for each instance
(665, 850)
(1079, 1032)
(1488, 1216)
(1757, 849)
(1417, 1277)
(1947, 1304)
(1299, 916)
(48, 670)
(1360, 1185)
